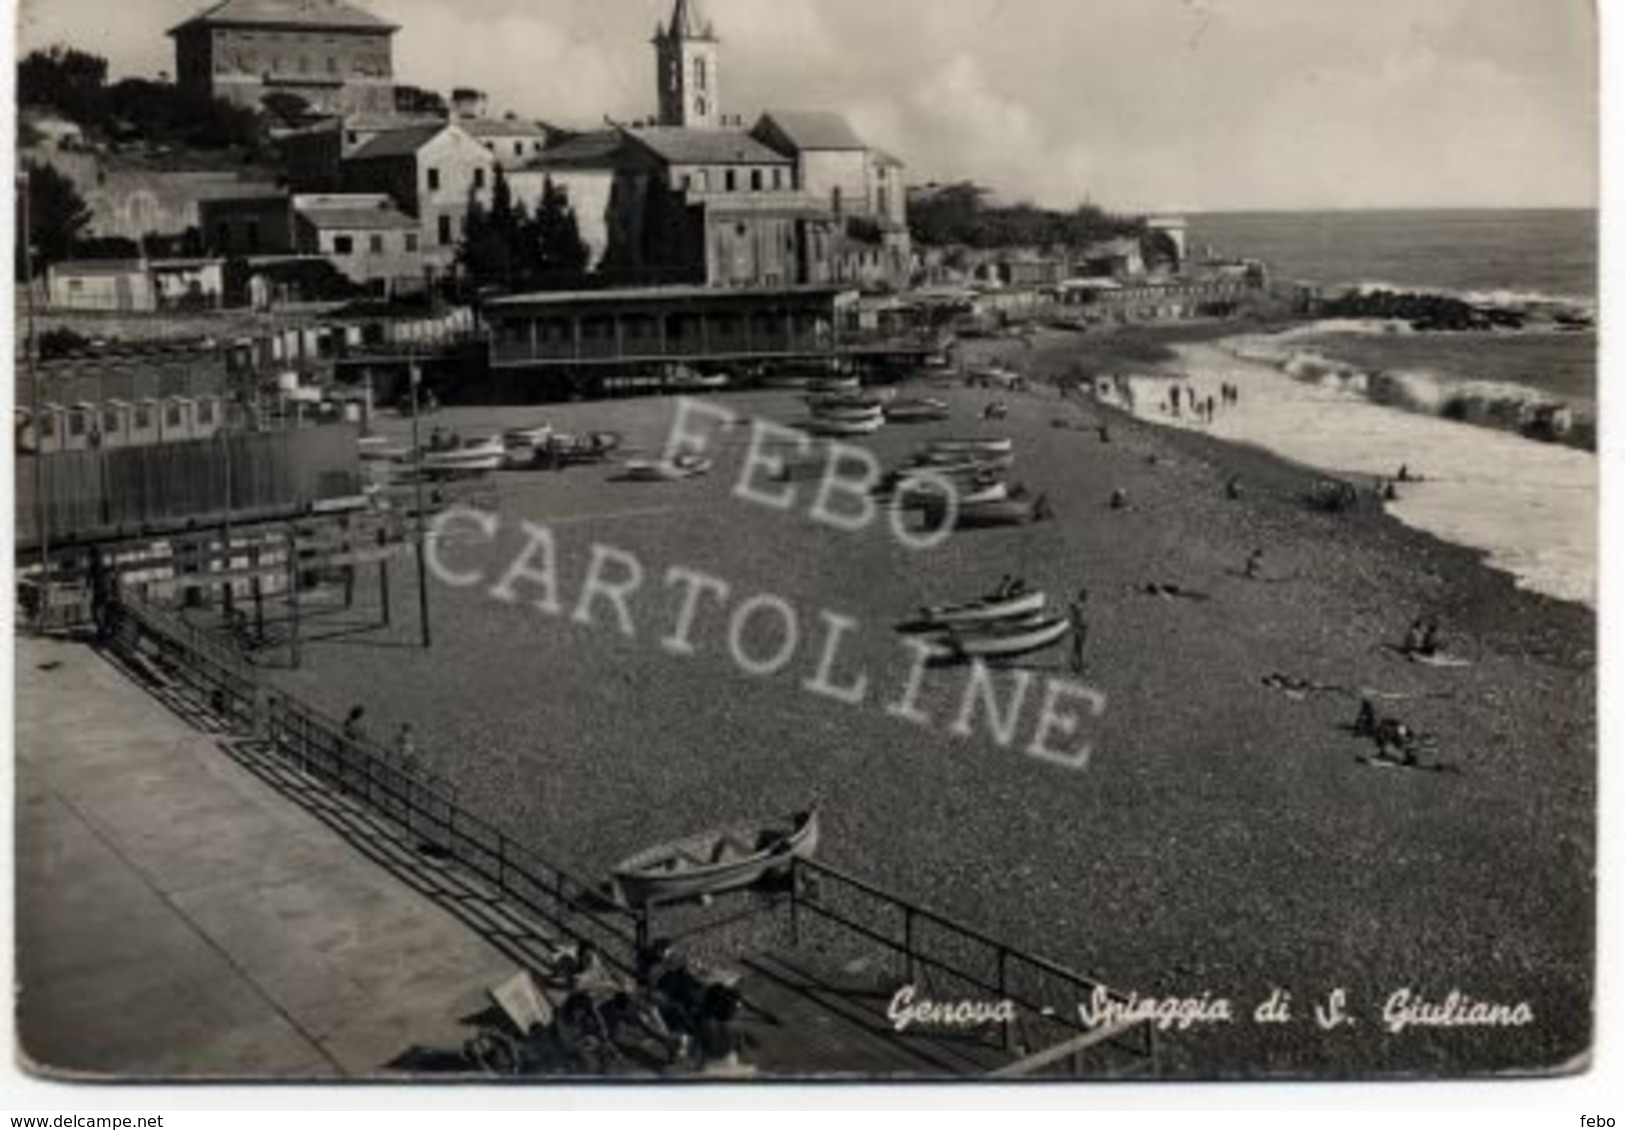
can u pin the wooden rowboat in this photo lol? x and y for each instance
(922, 411)
(859, 426)
(986, 610)
(725, 859)
(1010, 512)
(663, 471)
(1004, 641)
(970, 447)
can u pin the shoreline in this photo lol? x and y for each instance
(1479, 479)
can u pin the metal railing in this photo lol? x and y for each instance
(422, 804)
(958, 962)
(828, 909)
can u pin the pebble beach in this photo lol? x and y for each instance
(1227, 835)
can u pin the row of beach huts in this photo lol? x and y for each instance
(118, 423)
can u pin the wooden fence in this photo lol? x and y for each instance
(131, 492)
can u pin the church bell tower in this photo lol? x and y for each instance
(686, 52)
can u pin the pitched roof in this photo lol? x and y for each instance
(688, 22)
(600, 149)
(679, 146)
(399, 142)
(884, 158)
(815, 129)
(355, 211)
(333, 15)
(501, 127)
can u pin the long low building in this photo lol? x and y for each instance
(664, 325)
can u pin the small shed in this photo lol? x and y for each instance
(81, 430)
(115, 423)
(176, 422)
(207, 417)
(144, 422)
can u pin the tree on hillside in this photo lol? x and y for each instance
(416, 100)
(56, 216)
(73, 81)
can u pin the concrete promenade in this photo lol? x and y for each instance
(178, 918)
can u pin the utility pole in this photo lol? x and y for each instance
(422, 532)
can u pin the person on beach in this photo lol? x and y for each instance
(1005, 587)
(353, 730)
(1415, 638)
(1365, 723)
(1255, 565)
(1119, 499)
(1432, 639)
(1080, 629)
(1173, 398)
(1232, 488)
(1210, 407)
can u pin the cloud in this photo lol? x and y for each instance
(1134, 103)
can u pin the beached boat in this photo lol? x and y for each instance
(712, 862)
(848, 410)
(477, 457)
(923, 410)
(521, 444)
(1001, 445)
(833, 385)
(1008, 512)
(985, 610)
(952, 462)
(667, 471)
(1005, 640)
(856, 426)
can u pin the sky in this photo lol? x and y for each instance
(1138, 105)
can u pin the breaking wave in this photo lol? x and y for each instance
(1503, 405)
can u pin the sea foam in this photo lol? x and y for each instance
(1531, 506)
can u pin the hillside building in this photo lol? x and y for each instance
(335, 56)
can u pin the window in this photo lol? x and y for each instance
(731, 180)
(351, 137)
(172, 416)
(519, 149)
(343, 245)
(445, 231)
(756, 180)
(47, 426)
(143, 417)
(434, 180)
(687, 181)
(479, 178)
(76, 423)
(376, 245)
(205, 412)
(110, 421)
(699, 75)
(411, 241)
(778, 179)
(835, 199)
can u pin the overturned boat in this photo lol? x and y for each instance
(709, 863)
(1003, 640)
(922, 410)
(986, 610)
(667, 470)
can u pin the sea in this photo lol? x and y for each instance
(1499, 425)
